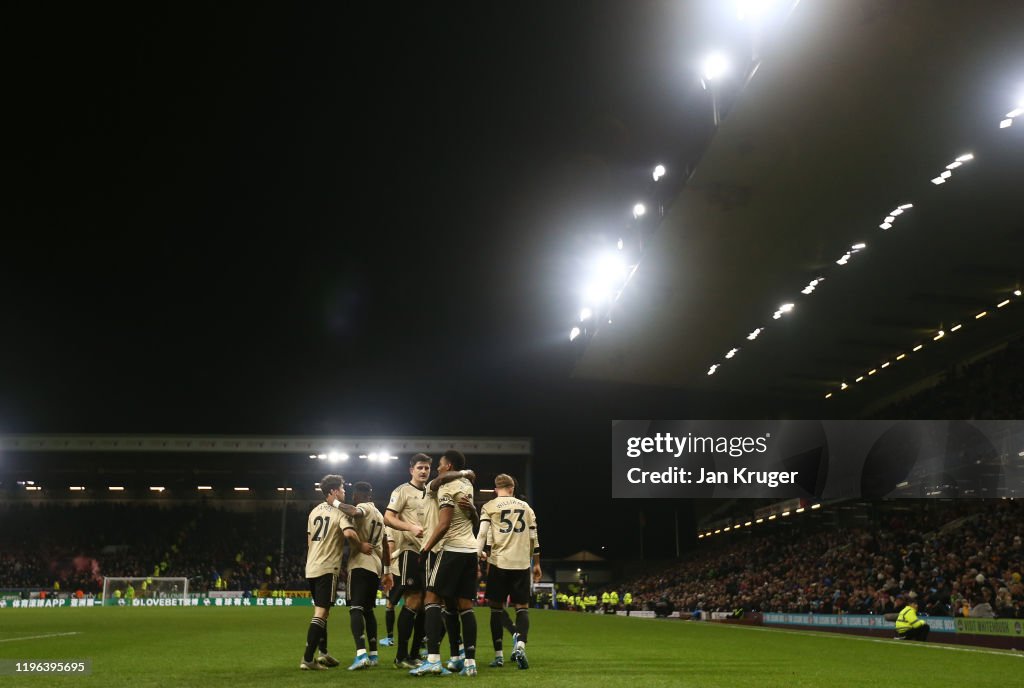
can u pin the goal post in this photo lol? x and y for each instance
(124, 590)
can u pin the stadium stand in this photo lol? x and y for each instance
(956, 556)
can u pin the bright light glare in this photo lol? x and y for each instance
(1005, 124)
(857, 247)
(946, 175)
(843, 386)
(885, 225)
(157, 489)
(715, 65)
(639, 210)
(659, 172)
(1002, 303)
(752, 9)
(938, 180)
(939, 335)
(712, 369)
(1016, 112)
(333, 457)
(896, 213)
(965, 157)
(732, 352)
(753, 335)
(620, 244)
(574, 333)
(786, 307)
(955, 328)
(585, 313)
(918, 347)
(953, 165)
(1016, 292)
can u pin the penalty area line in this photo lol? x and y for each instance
(888, 641)
(40, 637)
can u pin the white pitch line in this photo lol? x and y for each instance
(38, 637)
(899, 643)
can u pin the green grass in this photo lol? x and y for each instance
(258, 646)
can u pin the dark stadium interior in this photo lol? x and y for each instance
(232, 241)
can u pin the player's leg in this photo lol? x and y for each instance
(322, 590)
(357, 618)
(370, 615)
(432, 615)
(465, 591)
(519, 594)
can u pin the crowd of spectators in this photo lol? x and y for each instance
(75, 547)
(959, 558)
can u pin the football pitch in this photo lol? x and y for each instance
(263, 647)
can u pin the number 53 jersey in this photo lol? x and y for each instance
(512, 533)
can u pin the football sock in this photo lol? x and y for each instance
(522, 624)
(406, 621)
(355, 616)
(496, 630)
(316, 626)
(389, 622)
(434, 625)
(468, 619)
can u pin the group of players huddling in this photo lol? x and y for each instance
(425, 552)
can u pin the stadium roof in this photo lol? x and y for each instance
(854, 109)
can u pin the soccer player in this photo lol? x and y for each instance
(510, 526)
(324, 542)
(369, 566)
(405, 515)
(453, 573)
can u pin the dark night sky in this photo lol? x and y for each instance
(278, 219)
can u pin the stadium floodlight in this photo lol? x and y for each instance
(816, 506)
(116, 488)
(1016, 112)
(659, 172)
(748, 523)
(241, 489)
(900, 357)
(906, 206)
(701, 536)
(772, 517)
(312, 456)
(372, 456)
(284, 489)
(872, 371)
(861, 246)
(639, 210)
(726, 529)
(579, 570)
(33, 488)
(955, 327)
(30, 482)
(204, 488)
(1016, 292)
(785, 513)
(714, 66)
(843, 386)
(620, 244)
(77, 488)
(574, 333)
(321, 456)
(731, 353)
(1006, 123)
(938, 180)
(760, 520)
(965, 157)
(336, 456)
(918, 347)
(895, 212)
(1002, 303)
(800, 510)
(939, 335)
(859, 379)
(953, 165)
(829, 395)
(713, 368)
(585, 314)
(785, 308)
(885, 225)
(156, 488)
(753, 335)
(886, 364)
(946, 175)
(981, 315)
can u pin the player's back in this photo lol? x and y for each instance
(325, 541)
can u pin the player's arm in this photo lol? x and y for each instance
(535, 547)
(386, 580)
(449, 476)
(392, 519)
(348, 509)
(467, 505)
(444, 522)
(482, 548)
(355, 542)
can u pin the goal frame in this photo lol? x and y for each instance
(110, 581)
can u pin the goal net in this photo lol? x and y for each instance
(131, 591)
